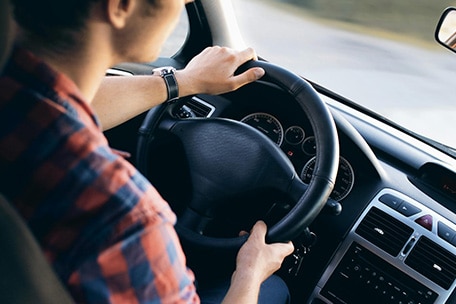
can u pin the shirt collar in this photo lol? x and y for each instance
(46, 78)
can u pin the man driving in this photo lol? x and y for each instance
(106, 231)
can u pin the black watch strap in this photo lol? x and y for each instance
(168, 75)
(171, 86)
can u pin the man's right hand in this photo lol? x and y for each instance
(255, 262)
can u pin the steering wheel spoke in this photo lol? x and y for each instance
(194, 221)
(167, 121)
(297, 189)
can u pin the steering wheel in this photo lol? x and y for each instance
(251, 161)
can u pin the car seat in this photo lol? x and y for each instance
(25, 275)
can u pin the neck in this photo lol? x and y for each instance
(84, 64)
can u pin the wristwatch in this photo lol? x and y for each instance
(168, 75)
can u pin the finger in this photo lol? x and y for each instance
(247, 54)
(259, 230)
(257, 73)
(248, 76)
(289, 248)
(242, 233)
(283, 249)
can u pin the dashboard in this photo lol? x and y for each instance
(395, 239)
(390, 248)
(399, 251)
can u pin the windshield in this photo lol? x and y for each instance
(380, 54)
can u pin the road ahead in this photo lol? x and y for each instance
(407, 83)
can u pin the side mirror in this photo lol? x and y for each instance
(445, 33)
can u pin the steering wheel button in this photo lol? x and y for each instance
(425, 221)
(408, 209)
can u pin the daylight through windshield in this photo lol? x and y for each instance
(380, 54)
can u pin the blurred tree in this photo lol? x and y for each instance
(417, 18)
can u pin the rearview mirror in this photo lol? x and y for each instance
(445, 33)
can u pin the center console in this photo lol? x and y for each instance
(398, 251)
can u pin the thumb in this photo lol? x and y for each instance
(248, 76)
(259, 230)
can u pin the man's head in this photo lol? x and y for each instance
(63, 25)
(52, 21)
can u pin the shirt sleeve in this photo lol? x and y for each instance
(148, 266)
(127, 250)
(104, 228)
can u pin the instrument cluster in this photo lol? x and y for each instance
(298, 142)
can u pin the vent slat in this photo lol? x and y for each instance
(434, 262)
(378, 220)
(368, 231)
(200, 109)
(435, 258)
(439, 277)
(384, 231)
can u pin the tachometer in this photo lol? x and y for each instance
(309, 146)
(344, 181)
(267, 124)
(294, 135)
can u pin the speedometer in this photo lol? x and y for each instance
(344, 181)
(267, 124)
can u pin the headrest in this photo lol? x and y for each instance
(6, 31)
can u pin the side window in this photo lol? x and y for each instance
(177, 38)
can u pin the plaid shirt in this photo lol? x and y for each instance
(107, 232)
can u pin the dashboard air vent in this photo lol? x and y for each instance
(384, 231)
(199, 107)
(434, 262)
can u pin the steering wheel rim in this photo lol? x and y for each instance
(309, 199)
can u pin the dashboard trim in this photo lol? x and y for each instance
(399, 260)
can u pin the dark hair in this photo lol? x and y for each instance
(53, 21)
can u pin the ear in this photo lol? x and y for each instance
(118, 11)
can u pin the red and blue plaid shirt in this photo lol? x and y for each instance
(107, 232)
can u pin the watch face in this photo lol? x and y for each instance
(161, 71)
